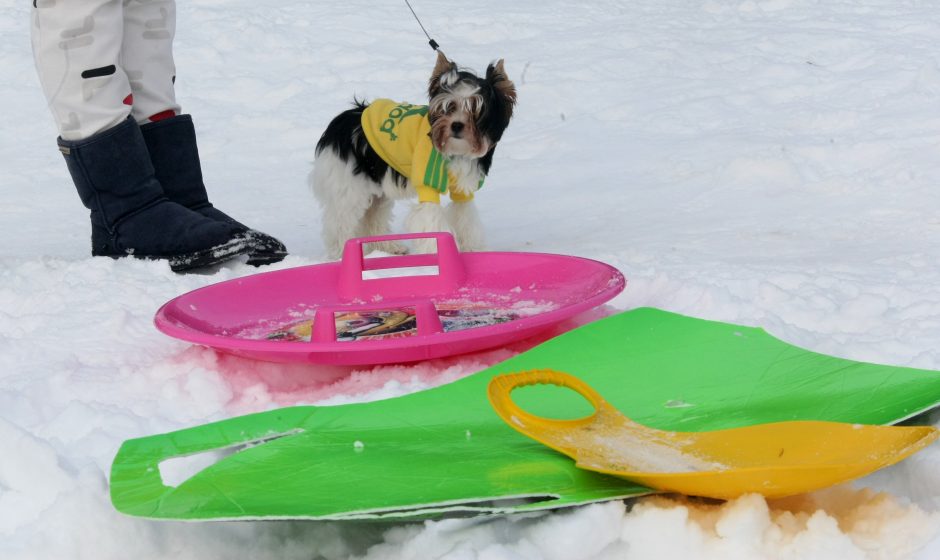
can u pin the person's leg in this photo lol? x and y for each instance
(147, 55)
(77, 48)
(149, 28)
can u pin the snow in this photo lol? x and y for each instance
(633, 448)
(766, 162)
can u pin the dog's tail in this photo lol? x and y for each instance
(342, 128)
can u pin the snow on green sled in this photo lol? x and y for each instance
(446, 452)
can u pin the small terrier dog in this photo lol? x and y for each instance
(373, 154)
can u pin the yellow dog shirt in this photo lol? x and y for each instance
(400, 134)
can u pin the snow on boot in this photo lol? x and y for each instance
(172, 146)
(131, 216)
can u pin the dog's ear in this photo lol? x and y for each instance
(496, 76)
(441, 67)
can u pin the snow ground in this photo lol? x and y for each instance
(770, 163)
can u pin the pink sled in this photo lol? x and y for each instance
(528, 292)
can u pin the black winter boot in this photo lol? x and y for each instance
(172, 146)
(131, 216)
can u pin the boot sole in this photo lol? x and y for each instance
(195, 260)
(261, 259)
(210, 257)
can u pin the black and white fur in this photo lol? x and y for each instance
(356, 189)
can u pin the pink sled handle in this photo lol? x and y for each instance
(448, 260)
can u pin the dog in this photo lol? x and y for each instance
(376, 153)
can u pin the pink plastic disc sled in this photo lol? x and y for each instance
(335, 313)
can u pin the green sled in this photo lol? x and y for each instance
(445, 451)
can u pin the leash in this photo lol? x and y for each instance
(431, 41)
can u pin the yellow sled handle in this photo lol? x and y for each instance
(538, 427)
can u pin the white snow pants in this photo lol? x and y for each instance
(102, 60)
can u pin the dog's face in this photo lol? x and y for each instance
(468, 114)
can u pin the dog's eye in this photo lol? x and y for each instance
(474, 104)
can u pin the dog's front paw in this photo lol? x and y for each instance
(425, 246)
(468, 229)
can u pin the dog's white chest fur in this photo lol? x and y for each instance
(466, 174)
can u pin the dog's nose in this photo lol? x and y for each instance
(456, 127)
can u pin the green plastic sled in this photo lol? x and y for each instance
(445, 451)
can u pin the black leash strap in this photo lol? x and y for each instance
(431, 41)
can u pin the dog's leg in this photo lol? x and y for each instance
(466, 225)
(426, 217)
(343, 197)
(377, 221)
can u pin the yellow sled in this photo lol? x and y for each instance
(776, 459)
